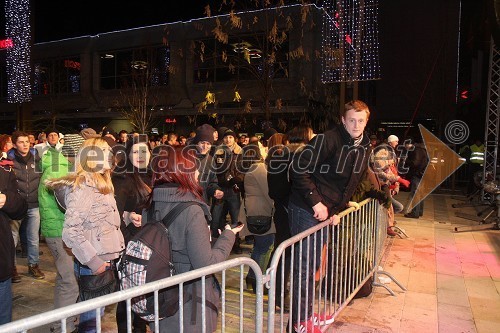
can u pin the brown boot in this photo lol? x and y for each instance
(35, 272)
(16, 278)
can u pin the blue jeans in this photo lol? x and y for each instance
(87, 319)
(301, 220)
(5, 301)
(231, 200)
(418, 210)
(398, 206)
(31, 223)
(262, 247)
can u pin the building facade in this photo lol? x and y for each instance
(236, 70)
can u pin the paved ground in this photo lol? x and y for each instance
(453, 280)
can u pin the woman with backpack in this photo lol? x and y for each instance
(92, 223)
(175, 180)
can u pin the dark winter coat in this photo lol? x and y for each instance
(207, 178)
(328, 170)
(128, 199)
(417, 161)
(227, 166)
(28, 178)
(278, 163)
(15, 208)
(191, 249)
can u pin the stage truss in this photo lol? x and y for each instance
(492, 118)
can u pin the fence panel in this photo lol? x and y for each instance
(326, 264)
(338, 259)
(232, 270)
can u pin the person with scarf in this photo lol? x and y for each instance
(323, 177)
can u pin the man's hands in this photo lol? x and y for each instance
(334, 219)
(320, 212)
(353, 204)
(218, 194)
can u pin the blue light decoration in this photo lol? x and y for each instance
(18, 29)
(350, 41)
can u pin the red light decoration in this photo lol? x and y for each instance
(6, 43)
(170, 120)
(72, 64)
(348, 39)
(464, 94)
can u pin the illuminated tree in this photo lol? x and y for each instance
(251, 40)
(18, 30)
(274, 41)
(141, 91)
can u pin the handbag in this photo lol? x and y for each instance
(258, 224)
(92, 286)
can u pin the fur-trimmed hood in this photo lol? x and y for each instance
(60, 187)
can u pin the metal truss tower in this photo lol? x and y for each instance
(492, 117)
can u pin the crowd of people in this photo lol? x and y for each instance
(89, 193)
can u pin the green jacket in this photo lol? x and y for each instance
(52, 165)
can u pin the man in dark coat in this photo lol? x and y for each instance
(416, 162)
(28, 179)
(324, 177)
(12, 207)
(203, 141)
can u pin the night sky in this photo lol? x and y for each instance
(418, 45)
(58, 19)
(90, 17)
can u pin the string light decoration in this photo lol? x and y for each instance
(18, 29)
(350, 41)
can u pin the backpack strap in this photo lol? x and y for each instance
(172, 215)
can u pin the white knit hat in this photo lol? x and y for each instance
(392, 138)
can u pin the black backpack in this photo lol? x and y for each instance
(147, 258)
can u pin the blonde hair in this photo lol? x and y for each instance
(89, 168)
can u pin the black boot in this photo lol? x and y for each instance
(250, 280)
(236, 247)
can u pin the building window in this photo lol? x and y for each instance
(242, 58)
(120, 69)
(59, 76)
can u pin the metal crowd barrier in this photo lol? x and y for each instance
(350, 257)
(226, 269)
